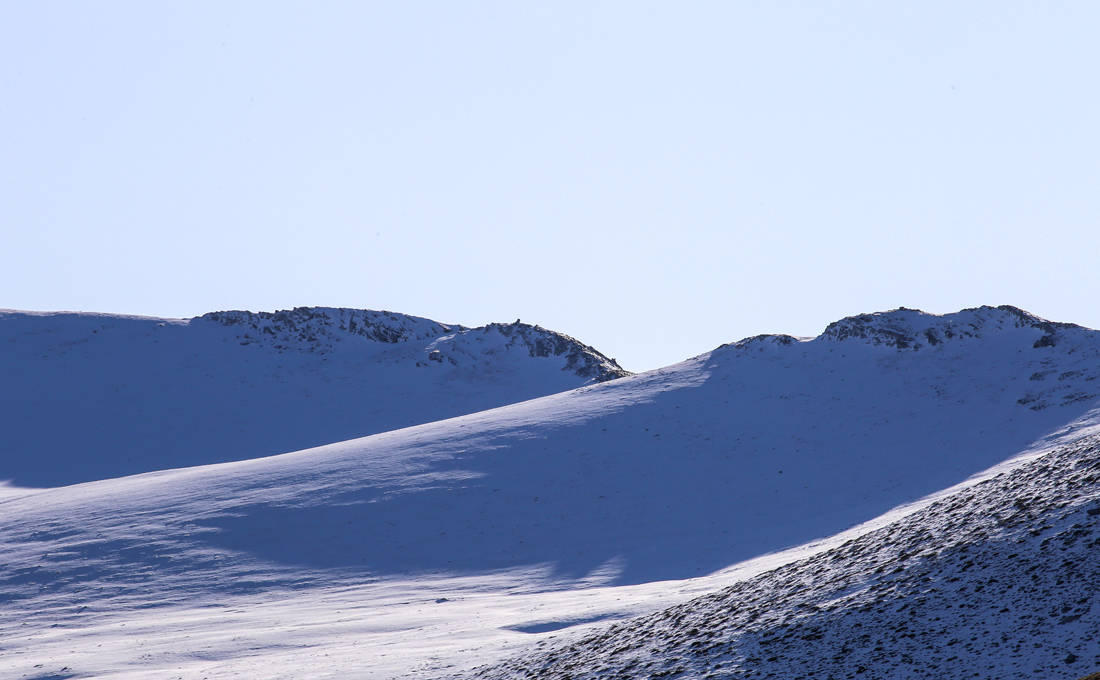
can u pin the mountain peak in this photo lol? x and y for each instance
(912, 329)
(319, 329)
(906, 328)
(581, 359)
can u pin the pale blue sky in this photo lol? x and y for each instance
(653, 178)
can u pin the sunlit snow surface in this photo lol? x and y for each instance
(422, 551)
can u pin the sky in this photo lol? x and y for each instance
(654, 179)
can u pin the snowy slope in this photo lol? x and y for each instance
(462, 538)
(93, 396)
(997, 581)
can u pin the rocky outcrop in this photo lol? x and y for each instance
(318, 328)
(761, 341)
(535, 341)
(913, 329)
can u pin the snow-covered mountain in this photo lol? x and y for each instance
(93, 396)
(418, 551)
(999, 580)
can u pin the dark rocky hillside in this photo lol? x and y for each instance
(997, 581)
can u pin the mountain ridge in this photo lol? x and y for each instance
(135, 394)
(438, 545)
(914, 329)
(318, 329)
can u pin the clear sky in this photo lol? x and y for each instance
(653, 178)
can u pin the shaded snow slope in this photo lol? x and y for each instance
(754, 447)
(93, 396)
(997, 581)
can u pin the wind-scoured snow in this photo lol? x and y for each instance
(94, 396)
(423, 550)
(996, 581)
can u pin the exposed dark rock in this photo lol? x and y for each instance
(319, 329)
(582, 359)
(913, 329)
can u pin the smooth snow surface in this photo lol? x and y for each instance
(92, 396)
(421, 551)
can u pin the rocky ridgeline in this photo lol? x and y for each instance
(1068, 374)
(579, 358)
(1062, 359)
(319, 329)
(761, 341)
(996, 581)
(913, 329)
